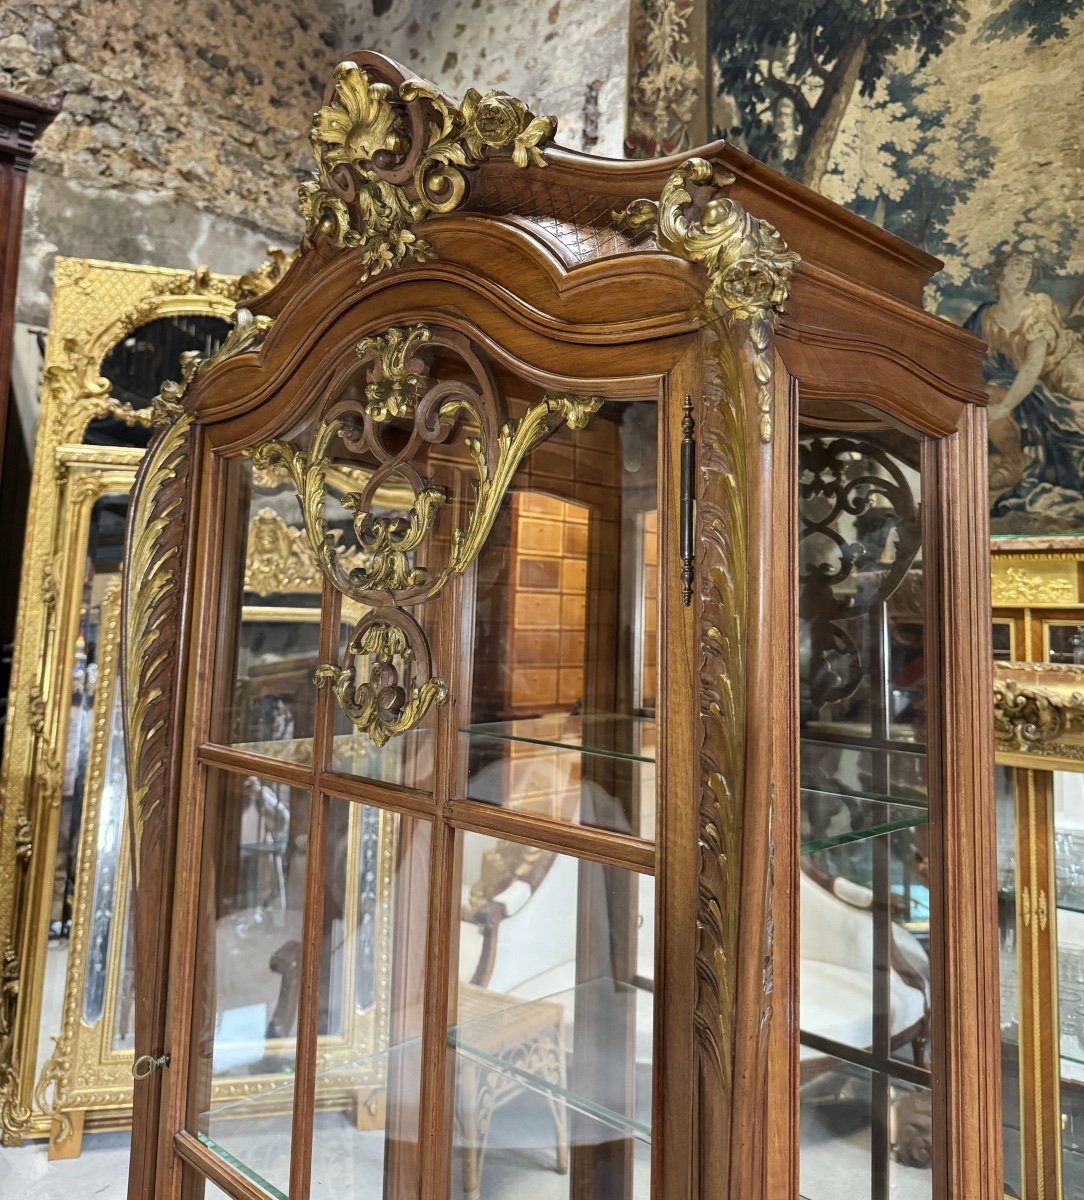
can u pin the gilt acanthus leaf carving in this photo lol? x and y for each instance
(376, 178)
(749, 266)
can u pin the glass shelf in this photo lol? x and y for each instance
(875, 817)
(475, 1040)
(608, 735)
(222, 1153)
(252, 1123)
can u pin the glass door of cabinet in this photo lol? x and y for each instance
(868, 896)
(486, 725)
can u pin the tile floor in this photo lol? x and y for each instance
(514, 1168)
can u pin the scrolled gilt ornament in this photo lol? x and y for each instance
(400, 377)
(399, 385)
(264, 277)
(749, 265)
(247, 330)
(14, 1116)
(464, 135)
(384, 704)
(387, 576)
(24, 840)
(1034, 717)
(363, 149)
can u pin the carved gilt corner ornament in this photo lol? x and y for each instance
(404, 407)
(749, 266)
(385, 162)
(247, 331)
(1041, 711)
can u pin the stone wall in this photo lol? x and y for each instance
(182, 131)
(563, 57)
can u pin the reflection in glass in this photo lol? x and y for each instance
(1064, 642)
(1003, 641)
(367, 1091)
(1068, 813)
(566, 599)
(124, 1025)
(865, 971)
(108, 870)
(272, 701)
(252, 895)
(1005, 799)
(81, 787)
(136, 366)
(649, 611)
(553, 1026)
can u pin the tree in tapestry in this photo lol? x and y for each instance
(957, 126)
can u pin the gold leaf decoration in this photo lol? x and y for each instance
(387, 575)
(381, 705)
(749, 266)
(246, 332)
(360, 137)
(150, 610)
(401, 377)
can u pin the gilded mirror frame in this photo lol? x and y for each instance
(96, 306)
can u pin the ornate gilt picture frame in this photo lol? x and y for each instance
(84, 1077)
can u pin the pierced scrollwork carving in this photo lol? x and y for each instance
(859, 534)
(399, 385)
(387, 159)
(404, 408)
(748, 263)
(384, 704)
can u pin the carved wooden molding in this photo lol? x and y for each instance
(151, 626)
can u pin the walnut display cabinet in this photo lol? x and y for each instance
(653, 653)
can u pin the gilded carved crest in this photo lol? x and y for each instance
(387, 159)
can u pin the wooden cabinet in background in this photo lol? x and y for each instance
(22, 121)
(1038, 593)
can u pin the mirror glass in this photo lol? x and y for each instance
(137, 366)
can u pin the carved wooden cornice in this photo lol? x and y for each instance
(22, 121)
